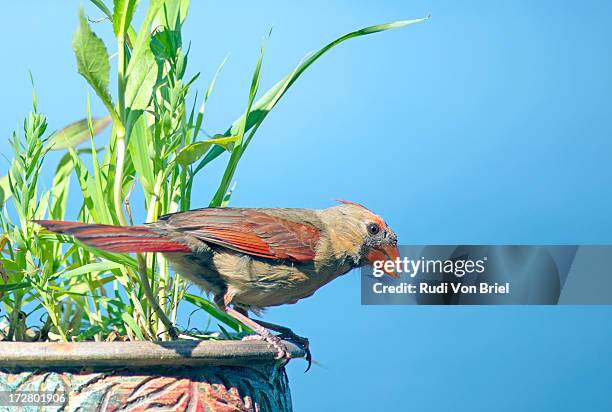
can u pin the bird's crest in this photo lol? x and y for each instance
(375, 217)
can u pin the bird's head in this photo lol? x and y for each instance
(363, 235)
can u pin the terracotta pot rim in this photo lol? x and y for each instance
(179, 353)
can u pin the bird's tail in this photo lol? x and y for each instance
(121, 239)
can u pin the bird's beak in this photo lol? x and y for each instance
(386, 252)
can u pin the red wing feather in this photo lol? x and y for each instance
(250, 231)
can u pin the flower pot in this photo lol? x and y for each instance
(138, 376)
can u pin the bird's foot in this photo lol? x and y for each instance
(275, 341)
(300, 341)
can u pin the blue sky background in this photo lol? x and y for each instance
(489, 123)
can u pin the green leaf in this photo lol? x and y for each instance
(240, 130)
(97, 171)
(215, 312)
(142, 76)
(131, 34)
(13, 286)
(138, 147)
(121, 258)
(77, 132)
(195, 151)
(165, 44)
(5, 190)
(209, 90)
(122, 17)
(175, 10)
(61, 184)
(131, 323)
(264, 104)
(92, 267)
(100, 4)
(92, 61)
(144, 35)
(93, 196)
(142, 69)
(228, 196)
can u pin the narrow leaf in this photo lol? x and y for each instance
(77, 132)
(175, 10)
(131, 34)
(215, 312)
(92, 194)
(209, 90)
(240, 130)
(142, 69)
(142, 76)
(131, 323)
(122, 17)
(100, 5)
(265, 103)
(195, 151)
(263, 106)
(92, 267)
(5, 190)
(14, 286)
(61, 185)
(139, 147)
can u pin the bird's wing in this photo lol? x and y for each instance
(251, 231)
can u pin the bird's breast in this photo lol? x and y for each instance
(262, 282)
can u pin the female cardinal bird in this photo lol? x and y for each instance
(253, 258)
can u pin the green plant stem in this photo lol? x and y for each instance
(152, 213)
(117, 189)
(175, 297)
(51, 306)
(121, 73)
(152, 209)
(121, 133)
(146, 287)
(162, 282)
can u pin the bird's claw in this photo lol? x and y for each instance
(275, 341)
(300, 341)
(281, 350)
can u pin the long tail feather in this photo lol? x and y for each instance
(121, 239)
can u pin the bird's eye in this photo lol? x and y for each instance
(373, 228)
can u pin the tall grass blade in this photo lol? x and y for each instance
(267, 102)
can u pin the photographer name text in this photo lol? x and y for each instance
(482, 288)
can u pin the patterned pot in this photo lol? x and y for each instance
(139, 376)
